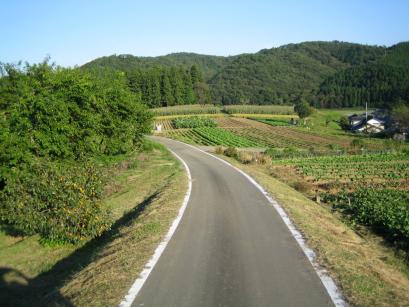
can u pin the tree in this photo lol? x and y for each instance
(202, 93)
(400, 114)
(166, 91)
(196, 74)
(303, 108)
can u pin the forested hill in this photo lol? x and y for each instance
(327, 74)
(209, 64)
(384, 82)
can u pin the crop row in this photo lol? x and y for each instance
(224, 137)
(193, 122)
(211, 136)
(186, 109)
(254, 109)
(384, 209)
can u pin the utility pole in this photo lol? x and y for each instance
(366, 111)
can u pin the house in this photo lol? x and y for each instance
(372, 125)
(374, 122)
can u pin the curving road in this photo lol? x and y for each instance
(231, 247)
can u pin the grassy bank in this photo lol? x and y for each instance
(143, 196)
(366, 269)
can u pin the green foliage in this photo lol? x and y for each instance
(193, 122)
(161, 86)
(385, 209)
(52, 118)
(59, 201)
(328, 74)
(344, 123)
(378, 84)
(303, 109)
(400, 113)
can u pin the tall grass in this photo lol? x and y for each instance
(186, 109)
(253, 109)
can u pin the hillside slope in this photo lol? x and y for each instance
(322, 72)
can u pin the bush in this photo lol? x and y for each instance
(344, 123)
(263, 159)
(303, 109)
(219, 150)
(230, 152)
(244, 157)
(59, 202)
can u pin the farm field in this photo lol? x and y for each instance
(333, 174)
(318, 159)
(265, 135)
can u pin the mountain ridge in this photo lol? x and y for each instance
(277, 75)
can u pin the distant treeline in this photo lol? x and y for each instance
(161, 86)
(379, 85)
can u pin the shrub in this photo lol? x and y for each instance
(219, 150)
(262, 158)
(344, 123)
(244, 157)
(302, 186)
(230, 152)
(58, 202)
(303, 109)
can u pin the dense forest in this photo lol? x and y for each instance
(162, 86)
(327, 74)
(55, 123)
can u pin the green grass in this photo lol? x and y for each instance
(144, 192)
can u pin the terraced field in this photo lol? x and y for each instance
(254, 133)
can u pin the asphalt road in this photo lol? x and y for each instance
(231, 248)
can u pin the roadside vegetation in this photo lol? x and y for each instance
(55, 123)
(143, 191)
(81, 189)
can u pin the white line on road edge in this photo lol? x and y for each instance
(138, 283)
(326, 280)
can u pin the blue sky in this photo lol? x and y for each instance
(75, 32)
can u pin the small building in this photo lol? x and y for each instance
(375, 122)
(372, 125)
